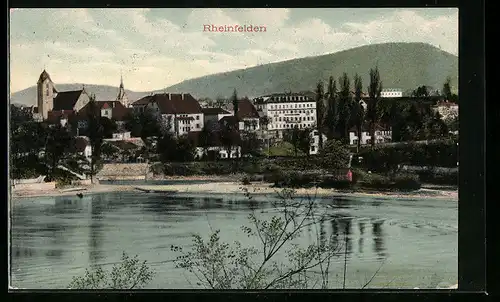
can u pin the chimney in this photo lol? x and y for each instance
(169, 96)
(182, 96)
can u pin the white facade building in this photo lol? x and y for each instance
(180, 113)
(221, 151)
(285, 111)
(314, 143)
(391, 93)
(382, 135)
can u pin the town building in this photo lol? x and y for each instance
(113, 110)
(447, 110)
(391, 93)
(180, 113)
(314, 142)
(214, 114)
(284, 111)
(382, 135)
(60, 103)
(122, 96)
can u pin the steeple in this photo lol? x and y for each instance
(122, 97)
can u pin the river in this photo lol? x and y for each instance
(413, 243)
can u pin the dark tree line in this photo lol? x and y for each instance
(346, 108)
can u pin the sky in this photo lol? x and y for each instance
(157, 48)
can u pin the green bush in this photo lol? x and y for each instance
(406, 181)
(442, 153)
(439, 178)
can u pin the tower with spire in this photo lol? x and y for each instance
(122, 97)
(46, 93)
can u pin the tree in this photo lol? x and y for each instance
(235, 102)
(59, 142)
(128, 274)
(167, 148)
(185, 149)
(421, 91)
(332, 114)
(320, 111)
(95, 133)
(229, 137)
(446, 93)
(250, 144)
(219, 265)
(345, 106)
(205, 138)
(358, 109)
(216, 264)
(108, 127)
(304, 144)
(374, 91)
(335, 155)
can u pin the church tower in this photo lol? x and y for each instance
(45, 94)
(122, 97)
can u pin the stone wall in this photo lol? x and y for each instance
(44, 186)
(135, 171)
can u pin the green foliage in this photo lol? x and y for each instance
(443, 153)
(332, 114)
(130, 273)
(334, 155)
(172, 149)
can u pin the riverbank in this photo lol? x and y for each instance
(237, 188)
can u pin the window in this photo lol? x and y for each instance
(198, 126)
(313, 148)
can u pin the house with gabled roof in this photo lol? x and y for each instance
(181, 113)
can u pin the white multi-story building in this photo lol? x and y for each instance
(391, 93)
(180, 113)
(285, 111)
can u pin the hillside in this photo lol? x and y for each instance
(402, 65)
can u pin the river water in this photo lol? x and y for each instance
(413, 243)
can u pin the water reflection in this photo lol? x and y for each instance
(95, 229)
(361, 226)
(378, 239)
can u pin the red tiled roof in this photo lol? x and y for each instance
(118, 111)
(66, 100)
(172, 103)
(214, 111)
(246, 109)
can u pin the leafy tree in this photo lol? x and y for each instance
(185, 149)
(130, 273)
(345, 106)
(446, 92)
(229, 137)
(95, 133)
(108, 127)
(421, 91)
(335, 155)
(250, 144)
(59, 143)
(304, 138)
(320, 109)
(167, 148)
(206, 138)
(235, 102)
(358, 113)
(332, 114)
(372, 112)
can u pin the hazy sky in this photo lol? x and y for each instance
(156, 48)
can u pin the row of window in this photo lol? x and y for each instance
(291, 126)
(289, 98)
(293, 118)
(291, 106)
